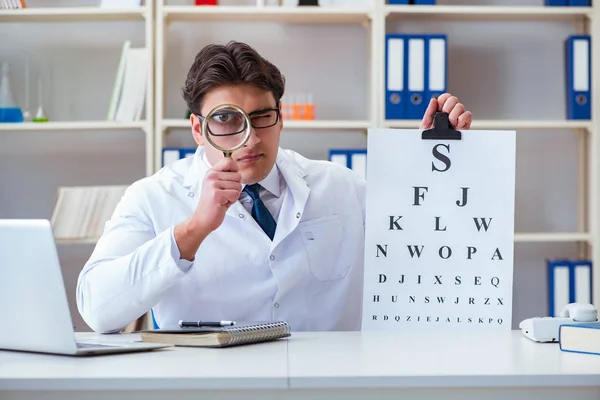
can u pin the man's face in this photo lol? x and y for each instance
(255, 160)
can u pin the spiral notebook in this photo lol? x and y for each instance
(244, 333)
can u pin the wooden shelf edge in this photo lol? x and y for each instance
(541, 237)
(291, 124)
(41, 14)
(503, 124)
(71, 125)
(75, 241)
(490, 12)
(303, 14)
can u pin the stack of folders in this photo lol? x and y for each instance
(578, 77)
(415, 2)
(569, 281)
(225, 336)
(172, 154)
(572, 3)
(12, 4)
(415, 71)
(80, 212)
(582, 338)
(129, 91)
(354, 159)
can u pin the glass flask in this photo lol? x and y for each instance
(9, 111)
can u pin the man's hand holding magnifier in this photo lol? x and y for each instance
(227, 128)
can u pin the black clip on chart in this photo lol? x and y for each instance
(442, 129)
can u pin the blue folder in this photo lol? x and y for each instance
(580, 3)
(170, 154)
(395, 76)
(578, 77)
(436, 65)
(569, 281)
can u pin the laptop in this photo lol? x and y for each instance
(34, 310)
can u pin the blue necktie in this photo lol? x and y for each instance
(260, 213)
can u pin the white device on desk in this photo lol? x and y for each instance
(34, 310)
(546, 329)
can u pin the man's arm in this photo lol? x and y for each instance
(132, 265)
(130, 268)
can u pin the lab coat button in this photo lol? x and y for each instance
(241, 215)
(272, 258)
(298, 215)
(191, 194)
(276, 305)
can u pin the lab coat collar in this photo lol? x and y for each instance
(290, 170)
(271, 182)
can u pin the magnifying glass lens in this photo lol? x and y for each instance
(227, 127)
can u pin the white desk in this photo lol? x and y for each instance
(333, 365)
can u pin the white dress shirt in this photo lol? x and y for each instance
(310, 275)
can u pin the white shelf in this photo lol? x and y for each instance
(489, 13)
(75, 241)
(303, 14)
(290, 124)
(503, 124)
(73, 14)
(71, 125)
(553, 237)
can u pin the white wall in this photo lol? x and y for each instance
(498, 70)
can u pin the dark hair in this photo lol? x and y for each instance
(230, 64)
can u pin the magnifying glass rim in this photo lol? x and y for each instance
(219, 108)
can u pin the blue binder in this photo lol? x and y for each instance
(354, 159)
(578, 76)
(436, 50)
(560, 291)
(556, 2)
(581, 281)
(416, 60)
(423, 2)
(170, 154)
(398, 2)
(580, 3)
(395, 76)
(569, 281)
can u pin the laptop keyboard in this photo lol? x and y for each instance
(92, 345)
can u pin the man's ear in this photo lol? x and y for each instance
(196, 125)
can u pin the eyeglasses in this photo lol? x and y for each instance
(226, 123)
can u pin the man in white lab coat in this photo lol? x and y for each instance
(200, 241)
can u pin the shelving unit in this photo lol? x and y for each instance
(166, 14)
(375, 20)
(156, 17)
(91, 14)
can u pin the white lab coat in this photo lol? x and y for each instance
(310, 275)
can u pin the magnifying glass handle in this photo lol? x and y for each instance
(227, 154)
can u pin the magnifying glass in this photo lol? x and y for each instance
(227, 128)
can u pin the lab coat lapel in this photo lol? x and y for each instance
(192, 181)
(296, 197)
(294, 202)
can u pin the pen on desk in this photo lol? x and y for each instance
(188, 324)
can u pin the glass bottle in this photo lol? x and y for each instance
(9, 111)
